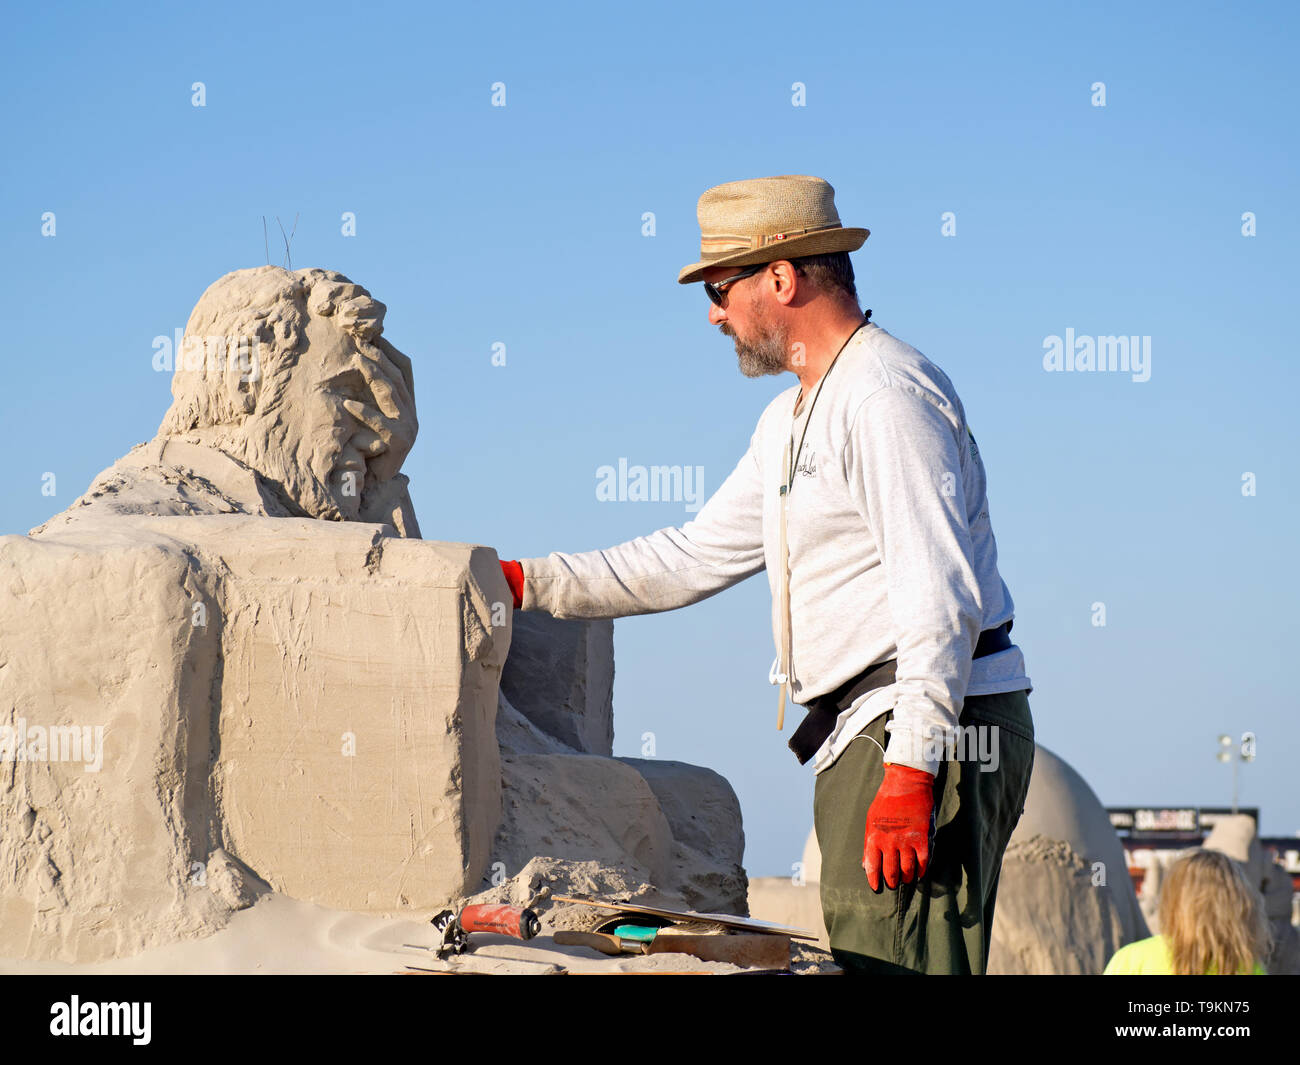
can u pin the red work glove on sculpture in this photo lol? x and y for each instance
(515, 578)
(900, 827)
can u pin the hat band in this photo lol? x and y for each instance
(717, 245)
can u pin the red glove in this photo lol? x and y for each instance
(900, 827)
(515, 578)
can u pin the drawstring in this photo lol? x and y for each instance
(784, 665)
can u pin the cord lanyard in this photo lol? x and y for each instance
(784, 664)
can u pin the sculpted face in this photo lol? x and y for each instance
(327, 416)
(347, 419)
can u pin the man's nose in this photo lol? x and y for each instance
(716, 314)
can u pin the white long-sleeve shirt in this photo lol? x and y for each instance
(891, 549)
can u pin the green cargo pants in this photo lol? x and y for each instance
(943, 924)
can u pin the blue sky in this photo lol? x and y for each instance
(522, 225)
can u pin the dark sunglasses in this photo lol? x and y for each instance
(715, 291)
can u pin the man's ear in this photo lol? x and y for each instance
(787, 280)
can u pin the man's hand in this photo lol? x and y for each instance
(515, 578)
(900, 827)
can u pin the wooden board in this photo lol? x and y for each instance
(727, 920)
(752, 950)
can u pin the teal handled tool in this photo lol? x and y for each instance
(637, 933)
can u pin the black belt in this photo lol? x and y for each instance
(824, 710)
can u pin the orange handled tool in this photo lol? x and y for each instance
(520, 922)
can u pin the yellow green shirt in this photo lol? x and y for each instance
(1148, 957)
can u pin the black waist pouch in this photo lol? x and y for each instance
(824, 710)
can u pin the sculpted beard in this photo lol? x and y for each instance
(297, 472)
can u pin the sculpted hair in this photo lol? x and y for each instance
(244, 338)
(1212, 917)
(832, 272)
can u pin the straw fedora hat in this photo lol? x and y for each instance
(765, 219)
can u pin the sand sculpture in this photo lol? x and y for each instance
(232, 667)
(1066, 901)
(1065, 898)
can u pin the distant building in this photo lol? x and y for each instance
(1144, 830)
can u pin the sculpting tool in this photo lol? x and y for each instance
(519, 922)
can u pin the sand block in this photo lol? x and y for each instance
(674, 824)
(560, 675)
(95, 850)
(704, 817)
(312, 701)
(582, 808)
(700, 805)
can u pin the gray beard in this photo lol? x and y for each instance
(762, 357)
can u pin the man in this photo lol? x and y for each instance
(863, 495)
